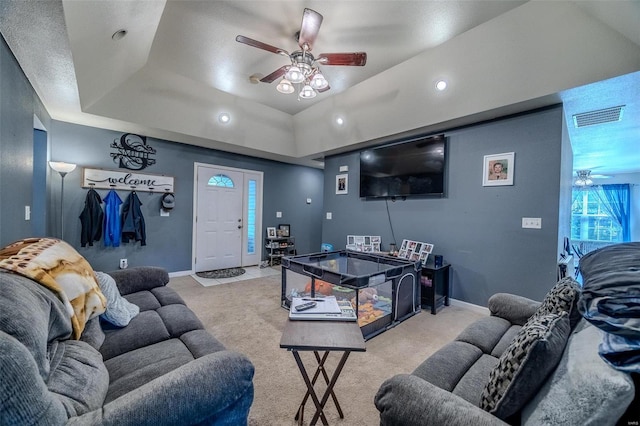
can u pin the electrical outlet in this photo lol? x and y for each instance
(532, 222)
(123, 263)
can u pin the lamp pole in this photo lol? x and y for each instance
(62, 168)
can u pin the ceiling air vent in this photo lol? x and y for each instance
(607, 115)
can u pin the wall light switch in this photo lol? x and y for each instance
(278, 214)
(532, 222)
(329, 215)
(344, 168)
(27, 212)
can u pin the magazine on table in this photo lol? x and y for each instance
(326, 308)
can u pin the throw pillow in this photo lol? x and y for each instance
(583, 390)
(119, 310)
(562, 297)
(524, 365)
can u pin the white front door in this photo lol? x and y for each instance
(225, 221)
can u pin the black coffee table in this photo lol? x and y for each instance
(321, 336)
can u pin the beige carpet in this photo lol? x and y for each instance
(246, 316)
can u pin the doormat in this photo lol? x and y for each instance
(221, 273)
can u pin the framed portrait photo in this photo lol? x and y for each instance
(498, 169)
(342, 184)
(271, 232)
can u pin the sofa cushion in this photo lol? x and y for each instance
(523, 367)
(562, 297)
(145, 329)
(78, 376)
(473, 382)
(135, 368)
(119, 310)
(583, 390)
(448, 365)
(485, 333)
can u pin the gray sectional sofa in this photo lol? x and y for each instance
(528, 363)
(162, 368)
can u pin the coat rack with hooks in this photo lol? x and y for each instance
(128, 181)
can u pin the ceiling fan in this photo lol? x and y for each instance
(304, 68)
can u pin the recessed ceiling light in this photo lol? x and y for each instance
(340, 121)
(224, 118)
(441, 85)
(119, 35)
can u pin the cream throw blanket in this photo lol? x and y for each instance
(59, 267)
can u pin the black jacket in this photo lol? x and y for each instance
(91, 219)
(133, 221)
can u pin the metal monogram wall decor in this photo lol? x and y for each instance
(133, 152)
(114, 179)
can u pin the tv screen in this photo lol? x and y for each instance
(407, 168)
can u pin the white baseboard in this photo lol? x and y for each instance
(180, 274)
(471, 306)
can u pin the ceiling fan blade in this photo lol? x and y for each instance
(358, 59)
(323, 90)
(311, 21)
(261, 45)
(275, 75)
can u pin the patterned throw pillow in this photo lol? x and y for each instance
(525, 364)
(563, 297)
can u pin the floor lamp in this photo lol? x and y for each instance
(62, 168)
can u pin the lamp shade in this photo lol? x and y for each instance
(294, 75)
(285, 87)
(307, 92)
(62, 167)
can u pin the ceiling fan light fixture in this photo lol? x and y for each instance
(285, 87)
(294, 75)
(318, 81)
(307, 92)
(584, 178)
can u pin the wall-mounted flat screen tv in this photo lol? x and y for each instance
(408, 168)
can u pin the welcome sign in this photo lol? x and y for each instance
(115, 179)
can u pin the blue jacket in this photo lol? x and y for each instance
(133, 221)
(112, 228)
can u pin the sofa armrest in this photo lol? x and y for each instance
(513, 308)
(216, 388)
(406, 399)
(139, 278)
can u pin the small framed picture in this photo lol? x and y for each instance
(498, 169)
(285, 230)
(271, 232)
(342, 184)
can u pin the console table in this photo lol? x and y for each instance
(436, 294)
(317, 336)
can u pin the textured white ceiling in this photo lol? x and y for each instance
(180, 59)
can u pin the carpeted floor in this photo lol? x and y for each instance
(246, 316)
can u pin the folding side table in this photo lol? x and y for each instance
(317, 336)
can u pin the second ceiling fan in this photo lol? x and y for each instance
(304, 68)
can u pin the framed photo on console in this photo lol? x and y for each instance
(498, 169)
(271, 232)
(285, 230)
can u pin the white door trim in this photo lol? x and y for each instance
(259, 201)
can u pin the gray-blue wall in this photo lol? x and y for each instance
(18, 105)
(169, 239)
(477, 229)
